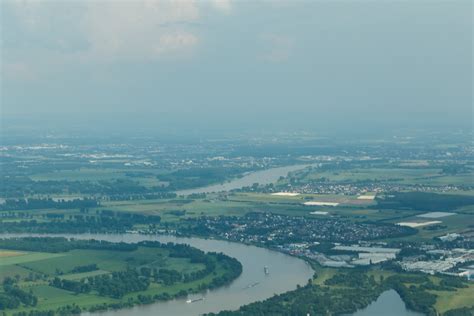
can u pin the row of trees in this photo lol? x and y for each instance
(33, 203)
(85, 268)
(23, 186)
(118, 284)
(423, 201)
(114, 285)
(61, 244)
(103, 221)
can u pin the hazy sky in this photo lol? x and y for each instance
(309, 64)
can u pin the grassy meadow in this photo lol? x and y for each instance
(35, 270)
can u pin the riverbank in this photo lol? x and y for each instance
(285, 273)
(262, 177)
(86, 275)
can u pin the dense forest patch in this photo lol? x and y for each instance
(423, 201)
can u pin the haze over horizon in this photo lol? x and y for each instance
(228, 65)
(236, 157)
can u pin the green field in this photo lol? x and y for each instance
(198, 207)
(420, 175)
(173, 210)
(238, 204)
(28, 258)
(448, 300)
(34, 272)
(144, 177)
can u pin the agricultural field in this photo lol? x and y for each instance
(169, 210)
(361, 192)
(9, 253)
(23, 258)
(448, 300)
(145, 177)
(378, 174)
(88, 274)
(388, 173)
(405, 208)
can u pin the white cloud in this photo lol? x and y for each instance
(224, 6)
(109, 30)
(140, 29)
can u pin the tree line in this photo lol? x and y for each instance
(35, 203)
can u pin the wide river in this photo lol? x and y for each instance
(262, 177)
(252, 285)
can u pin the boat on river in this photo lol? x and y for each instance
(287, 272)
(251, 285)
(195, 300)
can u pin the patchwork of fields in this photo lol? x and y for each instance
(39, 273)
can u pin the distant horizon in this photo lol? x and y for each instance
(319, 65)
(11, 128)
(136, 123)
